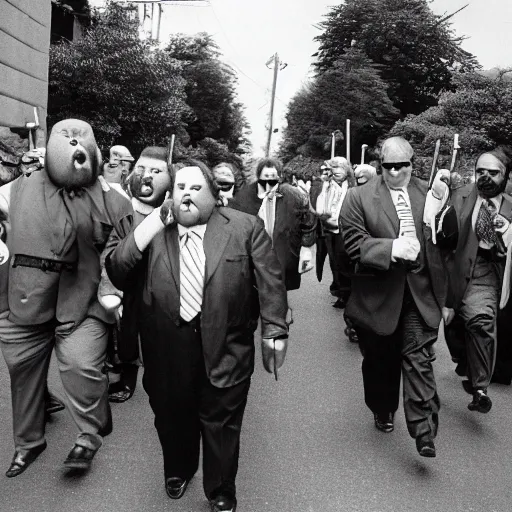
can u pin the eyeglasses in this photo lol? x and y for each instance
(395, 165)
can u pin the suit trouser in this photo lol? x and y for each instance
(407, 351)
(479, 311)
(80, 356)
(339, 263)
(187, 406)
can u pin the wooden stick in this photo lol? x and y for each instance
(456, 148)
(333, 145)
(434, 163)
(348, 140)
(363, 151)
(171, 150)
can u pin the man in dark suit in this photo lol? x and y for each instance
(392, 304)
(287, 217)
(209, 275)
(484, 212)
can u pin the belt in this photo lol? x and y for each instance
(44, 264)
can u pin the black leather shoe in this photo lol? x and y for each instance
(384, 421)
(80, 458)
(339, 304)
(175, 487)
(481, 402)
(425, 445)
(22, 460)
(223, 503)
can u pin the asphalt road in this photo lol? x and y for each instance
(308, 443)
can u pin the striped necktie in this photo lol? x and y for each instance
(484, 228)
(192, 268)
(404, 213)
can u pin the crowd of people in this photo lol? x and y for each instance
(173, 265)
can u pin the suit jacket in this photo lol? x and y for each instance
(242, 281)
(370, 224)
(462, 263)
(294, 226)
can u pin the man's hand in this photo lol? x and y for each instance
(441, 183)
(405, 248)
(448, 315)
(273, 353)
(110, 302)
(305, 260)
(166, 215)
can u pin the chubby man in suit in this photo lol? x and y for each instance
(480, 234)
(209, 274)
(395, 304)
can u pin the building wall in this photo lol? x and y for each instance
(24, 43)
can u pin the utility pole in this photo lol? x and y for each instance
(278, 66)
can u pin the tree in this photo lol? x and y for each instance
(415, 49)
(350, 89)
(130, 92)
(211, 95)
(480, 111)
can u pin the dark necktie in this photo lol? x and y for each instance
(484, 228)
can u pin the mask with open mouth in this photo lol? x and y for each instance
(73, 159)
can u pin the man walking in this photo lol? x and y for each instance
(392, 304)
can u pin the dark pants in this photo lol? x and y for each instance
(408, 351)
(479, 310)
(187, 406)
(340, 265)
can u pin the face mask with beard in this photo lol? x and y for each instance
(150, 181)
(490, 176)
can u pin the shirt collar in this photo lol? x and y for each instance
(199, 230)
(140, 207)
(262, 192)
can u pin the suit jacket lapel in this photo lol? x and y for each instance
(215, 241)
(384, 198)
(171, 256)
(468, 204)
(417, 200)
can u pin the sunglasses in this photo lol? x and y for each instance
(395, 165)
(225, 186)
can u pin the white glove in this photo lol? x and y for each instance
(110, 302)
(305, 260)
(448, 314)
(405, 248)
(440, 184)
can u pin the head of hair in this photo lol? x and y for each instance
(237, 173)
(269, 162)
(206, 171)
(502, 153)
(396, 143)
(155, 152)
(340, 161)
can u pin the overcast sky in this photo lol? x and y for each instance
(250, 31)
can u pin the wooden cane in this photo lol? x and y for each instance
(363, 151)
(348, 140)
(433, 171)
(171, 150)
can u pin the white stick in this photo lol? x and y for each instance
(348, 139)
(363, 151)
(333, 145)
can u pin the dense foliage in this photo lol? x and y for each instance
(415, 49)
(138, 95)
(351, 88)
(480, 111)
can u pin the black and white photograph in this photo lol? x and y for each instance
(255, 256)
